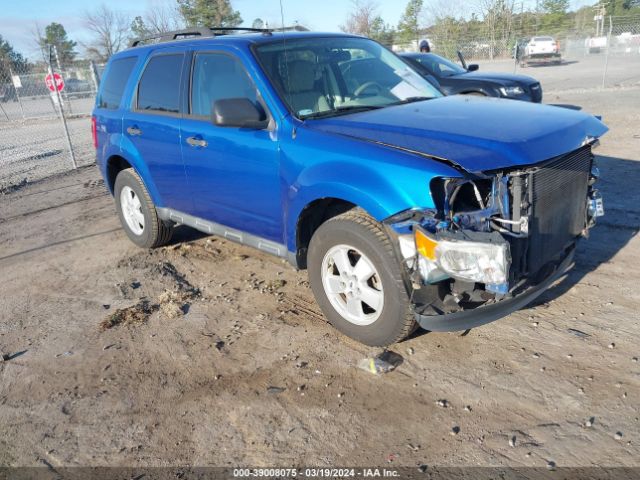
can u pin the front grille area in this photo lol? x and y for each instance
(558, 199)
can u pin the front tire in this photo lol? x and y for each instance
(357, 280)
(137, 212)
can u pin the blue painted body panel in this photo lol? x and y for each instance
(261, 181)
(235, 180)
(477, 133)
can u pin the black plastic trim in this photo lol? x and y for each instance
(465, 320)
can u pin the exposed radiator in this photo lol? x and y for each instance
(558, 199)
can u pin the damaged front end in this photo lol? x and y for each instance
(496, 240)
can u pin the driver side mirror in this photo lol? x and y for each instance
(473, 67)
(240, 113)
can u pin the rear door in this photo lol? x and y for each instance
(153, 126)
(235, 176)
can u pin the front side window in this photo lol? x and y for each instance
(159, 88)
(321, 77)
(441, 67)
(115, 82)
(217, 76)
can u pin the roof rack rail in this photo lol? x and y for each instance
(174, 35)
(208, 32)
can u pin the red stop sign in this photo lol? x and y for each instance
(54, 82)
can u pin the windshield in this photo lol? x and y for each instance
(322, 77)
(440, 67)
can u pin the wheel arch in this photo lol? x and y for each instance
(475, 91)
(309, 220)
(118, 162)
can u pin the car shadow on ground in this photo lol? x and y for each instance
(184, 234)
(612, 233)
(542, 65)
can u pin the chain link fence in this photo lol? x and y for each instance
(604, 54)
(36, 122)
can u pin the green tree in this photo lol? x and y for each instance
(621, 7)
(382, 32)
(56, 35)
(10, 60)
(139, 28)
(209, 13)
(409, 26)
(555, 15)
(558, 7)
(257, 23)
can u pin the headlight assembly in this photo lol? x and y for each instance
(486, 263)
(513, 91)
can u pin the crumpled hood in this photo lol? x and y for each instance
(475, 133)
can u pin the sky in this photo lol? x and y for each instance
(19, 17)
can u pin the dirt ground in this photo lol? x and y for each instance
(119, 356)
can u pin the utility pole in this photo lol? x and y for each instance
(600, 12)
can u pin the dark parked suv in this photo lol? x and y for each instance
(408, 208)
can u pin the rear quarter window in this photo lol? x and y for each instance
(115, 81)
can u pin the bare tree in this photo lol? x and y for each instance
(362, 17)
(110, 31)
(438, 9)
(163, 17)
(498, 18)
(37, 34)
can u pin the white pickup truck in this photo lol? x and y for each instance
(541, 50)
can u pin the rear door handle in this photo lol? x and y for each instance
(134, 131)
(197, 142)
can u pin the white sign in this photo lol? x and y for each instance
(16, 81)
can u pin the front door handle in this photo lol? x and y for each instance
(134, 131)
(197, 142)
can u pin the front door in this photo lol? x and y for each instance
(153, 127)
(233, 173)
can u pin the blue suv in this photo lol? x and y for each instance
(408, 208)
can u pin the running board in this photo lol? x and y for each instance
(267, 246)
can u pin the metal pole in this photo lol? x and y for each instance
(606, 58)
(64, 94)
(5, 113)
(64, 121)
(17, 94)
(94, 74)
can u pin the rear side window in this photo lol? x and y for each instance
(115, 82)
(217, 76)
(159, 88)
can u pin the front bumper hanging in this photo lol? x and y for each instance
(476, 317)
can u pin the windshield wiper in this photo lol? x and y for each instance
(342, 110)
(412, 100)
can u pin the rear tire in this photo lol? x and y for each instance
(357, 280)
(137, 212)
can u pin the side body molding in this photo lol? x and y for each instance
(267, 246)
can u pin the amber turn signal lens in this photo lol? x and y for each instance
(425, 245)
